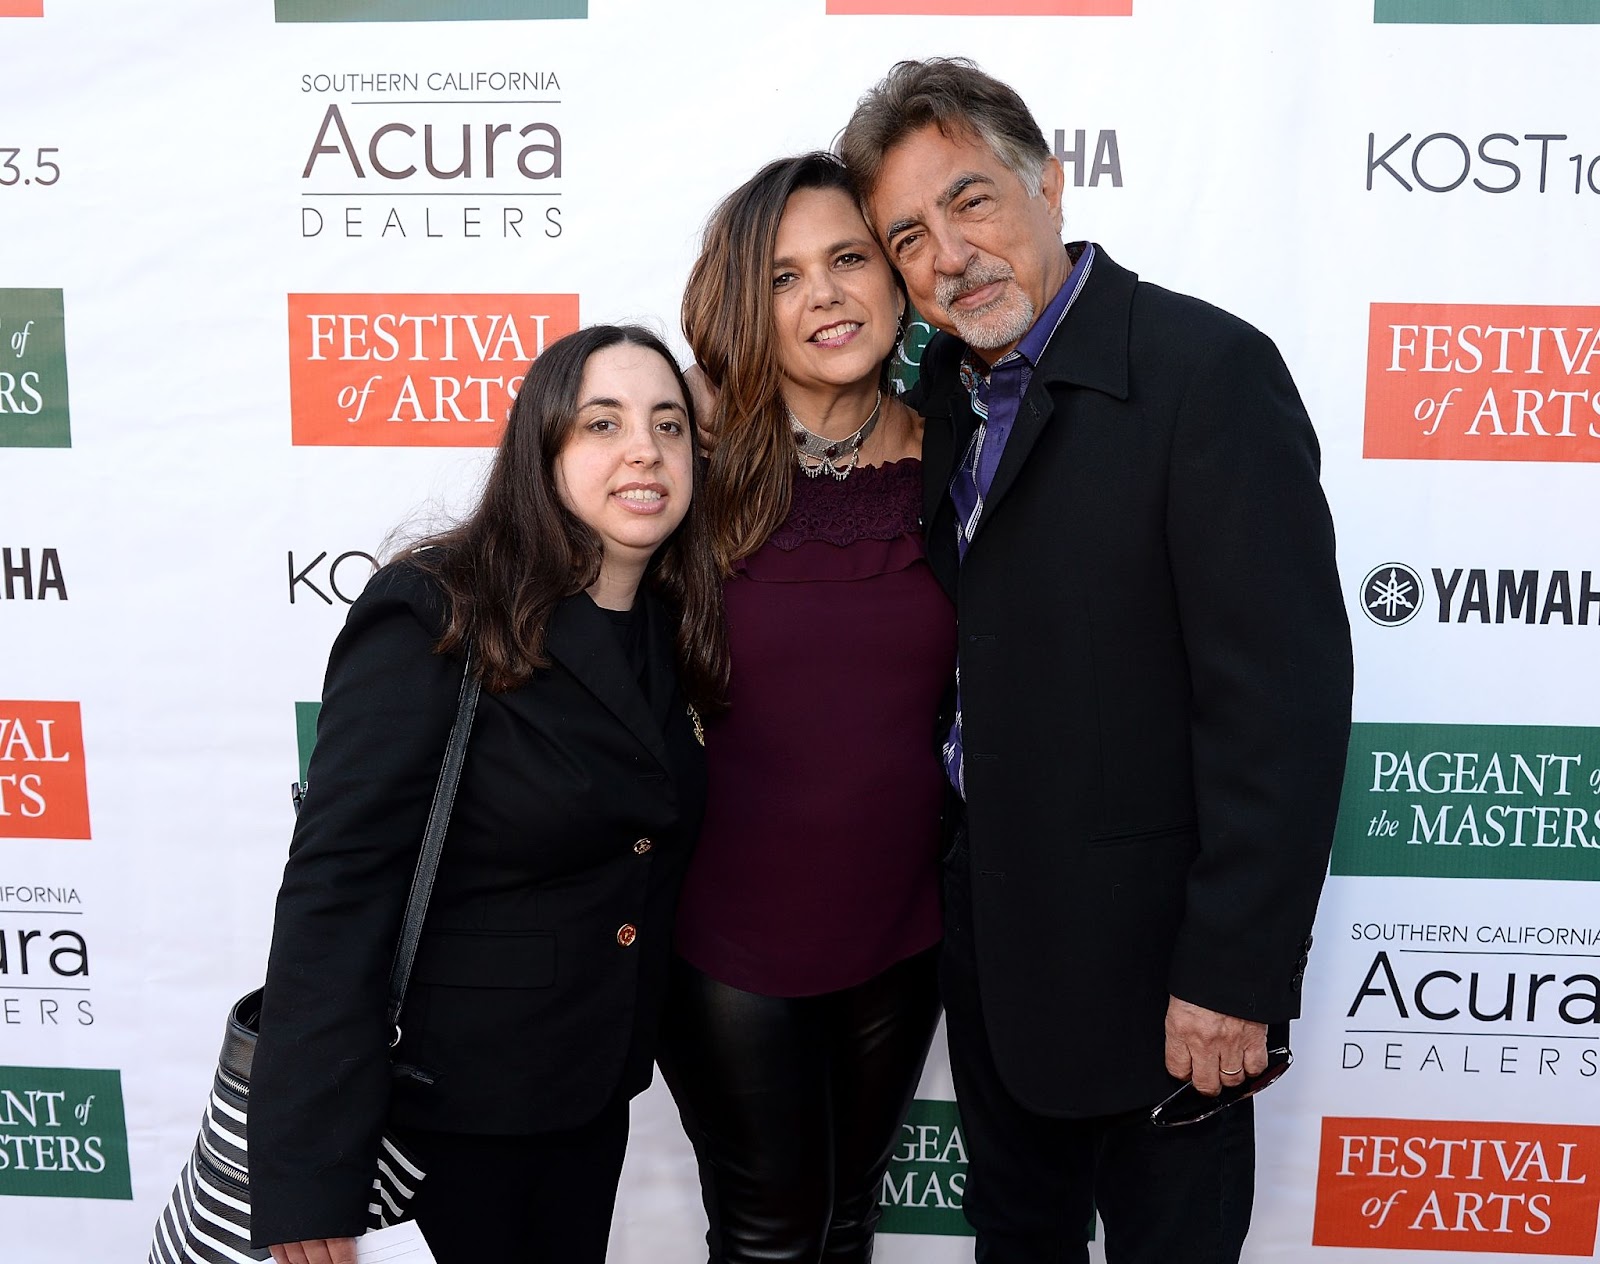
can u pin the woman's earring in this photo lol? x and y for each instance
(899, 328)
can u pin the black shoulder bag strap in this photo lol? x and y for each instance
(444, 797)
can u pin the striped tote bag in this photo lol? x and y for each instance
(207, 1219)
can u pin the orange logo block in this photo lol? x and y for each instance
(1456, 382)
(44, 787)
(988, 8)
(414, 370)
(21, 8)
(1425, 1185)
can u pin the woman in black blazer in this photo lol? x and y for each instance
(584, 587)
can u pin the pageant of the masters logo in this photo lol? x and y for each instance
(1470, 801)
(927, 1177)
(21, 8)
(63, 1133)
(33, 370)
(305, 732)
(1478, 12)
(414, 370)
(426, 10)
(1483, 383)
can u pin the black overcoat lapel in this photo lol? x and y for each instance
(582, 641)
(1090, 349)
(947, 430)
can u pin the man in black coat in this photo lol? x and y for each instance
(1153, 700)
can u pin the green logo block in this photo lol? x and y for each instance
(1470, 801)
(927, 1176)
(33, 370)
(63, 1133)
(1484, 12)
(427, 10)
(305, 731)
(905, 365)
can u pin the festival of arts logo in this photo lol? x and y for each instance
(1470, 801)
(426, 10)
(1483, 383)
(987, 8)
(63, 1133)
(927, 1177)
(1432, 1185)
(33, 370)
(414, 370)
(21, 8)
(1478, 12)
(44, 789)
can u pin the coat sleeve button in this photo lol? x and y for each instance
(626, 934)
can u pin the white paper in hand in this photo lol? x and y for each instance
(398, 1244)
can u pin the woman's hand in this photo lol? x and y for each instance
(316, 1251)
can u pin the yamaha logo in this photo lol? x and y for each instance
(1391, 594)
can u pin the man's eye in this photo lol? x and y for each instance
(905, 244)
(973, 203)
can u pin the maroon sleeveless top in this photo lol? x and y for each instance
(817, 866)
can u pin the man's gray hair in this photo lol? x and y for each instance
(957, 97)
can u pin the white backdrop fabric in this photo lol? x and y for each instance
(227, 175)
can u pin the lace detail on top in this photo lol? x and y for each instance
(877, 502)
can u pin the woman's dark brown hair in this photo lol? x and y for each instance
(504, 568)
(727, 319)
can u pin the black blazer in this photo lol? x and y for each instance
(1155, 685)
(530, 1005)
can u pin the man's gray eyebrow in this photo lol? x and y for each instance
(958, 186)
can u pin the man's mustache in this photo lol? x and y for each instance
(948, 289)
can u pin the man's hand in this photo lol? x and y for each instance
(705, 407)
(1212, 1049)
(316, 1251)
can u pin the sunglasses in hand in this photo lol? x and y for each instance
(1188, 1105)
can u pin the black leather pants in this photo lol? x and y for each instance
(794, 1106)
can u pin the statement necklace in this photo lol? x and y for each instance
(838, 456)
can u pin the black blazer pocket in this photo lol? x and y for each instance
(479, 1002)
(1120, 838)
(486, 959)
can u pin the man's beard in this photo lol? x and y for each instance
(1000, 323)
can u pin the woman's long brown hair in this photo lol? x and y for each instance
(521, 551)
(727, 319)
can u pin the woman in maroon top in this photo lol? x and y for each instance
(804, 995)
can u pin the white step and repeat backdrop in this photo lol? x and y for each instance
(267, 269)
